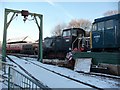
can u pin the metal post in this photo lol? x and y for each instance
(9, 78)
(4, 37)
(40, 39)
(40, 27)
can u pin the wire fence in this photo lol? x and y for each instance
(21, 81)
(15, 79)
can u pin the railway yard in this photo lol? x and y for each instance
(58, 77)
(71, 60)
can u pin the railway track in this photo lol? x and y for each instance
(91, 73)
(78, 81)
(93, 86)
(68, 77)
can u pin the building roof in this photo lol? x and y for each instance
(21, 39)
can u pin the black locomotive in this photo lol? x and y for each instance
(59, 46)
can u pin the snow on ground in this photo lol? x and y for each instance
(0, 85)
(48, 78)
(98, 81)
(1, 79)
(55, 81)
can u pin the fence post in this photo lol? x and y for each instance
(9, 78)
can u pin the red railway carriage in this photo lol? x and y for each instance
(22, 48)
(23, 45)
(14, 48)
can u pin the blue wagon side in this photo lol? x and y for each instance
(106, 33)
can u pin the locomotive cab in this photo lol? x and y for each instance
(73, 38)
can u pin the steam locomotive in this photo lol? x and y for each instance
(53, 47)
(59, 46)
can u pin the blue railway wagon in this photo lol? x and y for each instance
(105, 33)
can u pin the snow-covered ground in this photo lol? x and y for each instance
(46, 77)
(53, 80)
(98, 81)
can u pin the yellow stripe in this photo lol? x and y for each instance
(90, 39)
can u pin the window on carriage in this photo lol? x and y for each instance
(109, 24)
(94, 27)
(66, 33)
(100, 26)
(74, 32)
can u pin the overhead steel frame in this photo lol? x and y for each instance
(6, 25)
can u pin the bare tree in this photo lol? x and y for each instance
(80, 23)
(57, 31)
(75, 23)
(111, 12)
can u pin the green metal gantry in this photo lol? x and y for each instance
(6, 25)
